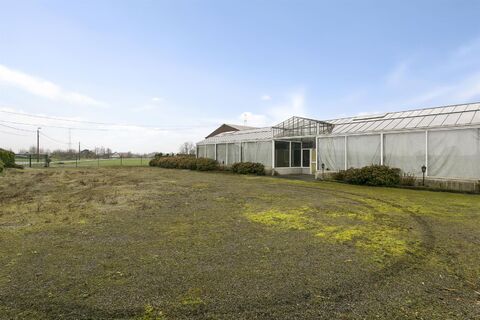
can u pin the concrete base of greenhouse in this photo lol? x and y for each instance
(457, 185)
(282, 171)
(472, 186)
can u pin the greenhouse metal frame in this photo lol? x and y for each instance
(446, 140)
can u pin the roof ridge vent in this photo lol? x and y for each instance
(370, 117)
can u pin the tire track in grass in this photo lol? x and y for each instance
(352, 291)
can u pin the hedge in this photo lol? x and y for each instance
(205, 164)
(248, 168)
(2, 165)
(374, 175)
(184, 162)
(8, 158)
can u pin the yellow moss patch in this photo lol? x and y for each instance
(384, 242)
(363, 229)
(348, 234)
(192, 298)
(293, 219)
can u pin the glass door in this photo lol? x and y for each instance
(306, 158)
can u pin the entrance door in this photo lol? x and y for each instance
(305, 158)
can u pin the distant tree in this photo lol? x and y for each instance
(187, 148)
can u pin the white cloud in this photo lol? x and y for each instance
(44, 88)
(253, 120)
(295, 106)
(157, 99)
(265, 97)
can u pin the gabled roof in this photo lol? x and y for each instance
(243, 135)
(240, 127)
(228, 128)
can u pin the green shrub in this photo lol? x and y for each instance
(184, 162)
(374, 175)
(248, 168)
(2, 166)
(408, 179)
(153, 162)
(187, 163)
(206, 164)
(8, 158)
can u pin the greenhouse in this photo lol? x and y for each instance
(444, 140)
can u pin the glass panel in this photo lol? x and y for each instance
(363, 150)
(249, 152)
(454, 153)
(451, 119)
(233, 153)
(264, 153)
(282, 153)
(414, 123)
(331, 152)
(466, 118)
(210, 151)
(308, 144)
(405, 151)
(306, 158)
(439, 120)
(222, 153)
(201, 151)
(296, 154)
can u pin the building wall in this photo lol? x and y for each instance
(452, 153)
(229, 153)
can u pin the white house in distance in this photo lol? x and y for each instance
(446, 140)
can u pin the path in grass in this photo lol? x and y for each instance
(131, 242)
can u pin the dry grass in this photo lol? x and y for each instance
(149, 243)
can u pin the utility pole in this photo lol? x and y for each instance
(79, 150)
(38, 144)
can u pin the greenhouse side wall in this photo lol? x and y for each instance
(452, 153)
(230, 153)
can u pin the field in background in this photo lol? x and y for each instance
(102, 162)
(150, 243)
(83, 162)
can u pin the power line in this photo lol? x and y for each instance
(52, 139)
(20, 129)
(15, 134)
(51, 126)
(94, 129)
(103, 123)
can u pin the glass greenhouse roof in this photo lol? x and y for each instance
(446, 116)
(301, 127)
(440, 117)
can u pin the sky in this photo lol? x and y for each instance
(145, 76)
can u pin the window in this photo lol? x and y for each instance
(282, 153)
(296, 154)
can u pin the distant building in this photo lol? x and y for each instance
(444, 139)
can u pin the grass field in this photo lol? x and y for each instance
(150, 243)
(102, 162)
(86, 162)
